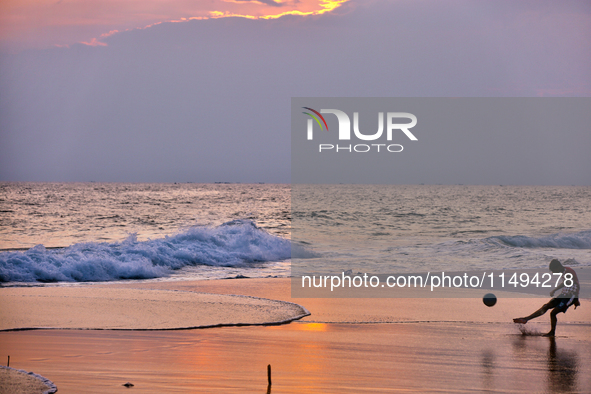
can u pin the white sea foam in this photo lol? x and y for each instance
(239, 243)
(579, 240)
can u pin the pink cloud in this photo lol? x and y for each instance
(94, 43)
(37, 23)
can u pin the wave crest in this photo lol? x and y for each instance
(579, 240)
(239, 243)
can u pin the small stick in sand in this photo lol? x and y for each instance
(269, 373)
(8, 363)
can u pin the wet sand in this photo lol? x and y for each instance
(345, 346)
(14, 381)
(99, 308)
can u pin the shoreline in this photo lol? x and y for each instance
(234, 300)
(104, 308)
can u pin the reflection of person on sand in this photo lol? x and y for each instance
(562, 370)
(567, 297)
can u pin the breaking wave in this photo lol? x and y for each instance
(239, 243)
(579, 240)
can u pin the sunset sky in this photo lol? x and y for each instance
(165, 91)
(46, 23)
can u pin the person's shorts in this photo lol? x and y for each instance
(562, 304)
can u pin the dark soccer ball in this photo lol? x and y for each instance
(489, 299)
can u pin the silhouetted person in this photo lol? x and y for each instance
(567, 297)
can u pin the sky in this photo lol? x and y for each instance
(200, 91)
(42, 23)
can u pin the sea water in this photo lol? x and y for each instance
(81, 232)
(386, 229)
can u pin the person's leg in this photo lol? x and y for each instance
(538, 313)
(553, 321)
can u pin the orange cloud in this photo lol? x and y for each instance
(323, 7)
(94, 43)
(39, 23)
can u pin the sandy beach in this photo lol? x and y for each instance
(15, 381)
(345, 345)
(97, 308)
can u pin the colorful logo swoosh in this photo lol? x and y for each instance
(316, 118)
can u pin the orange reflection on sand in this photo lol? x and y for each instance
(311, 327)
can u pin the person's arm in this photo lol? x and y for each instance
(560, 286)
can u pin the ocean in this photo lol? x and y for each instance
(85, 232)
(93, 232)
(386, 229)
